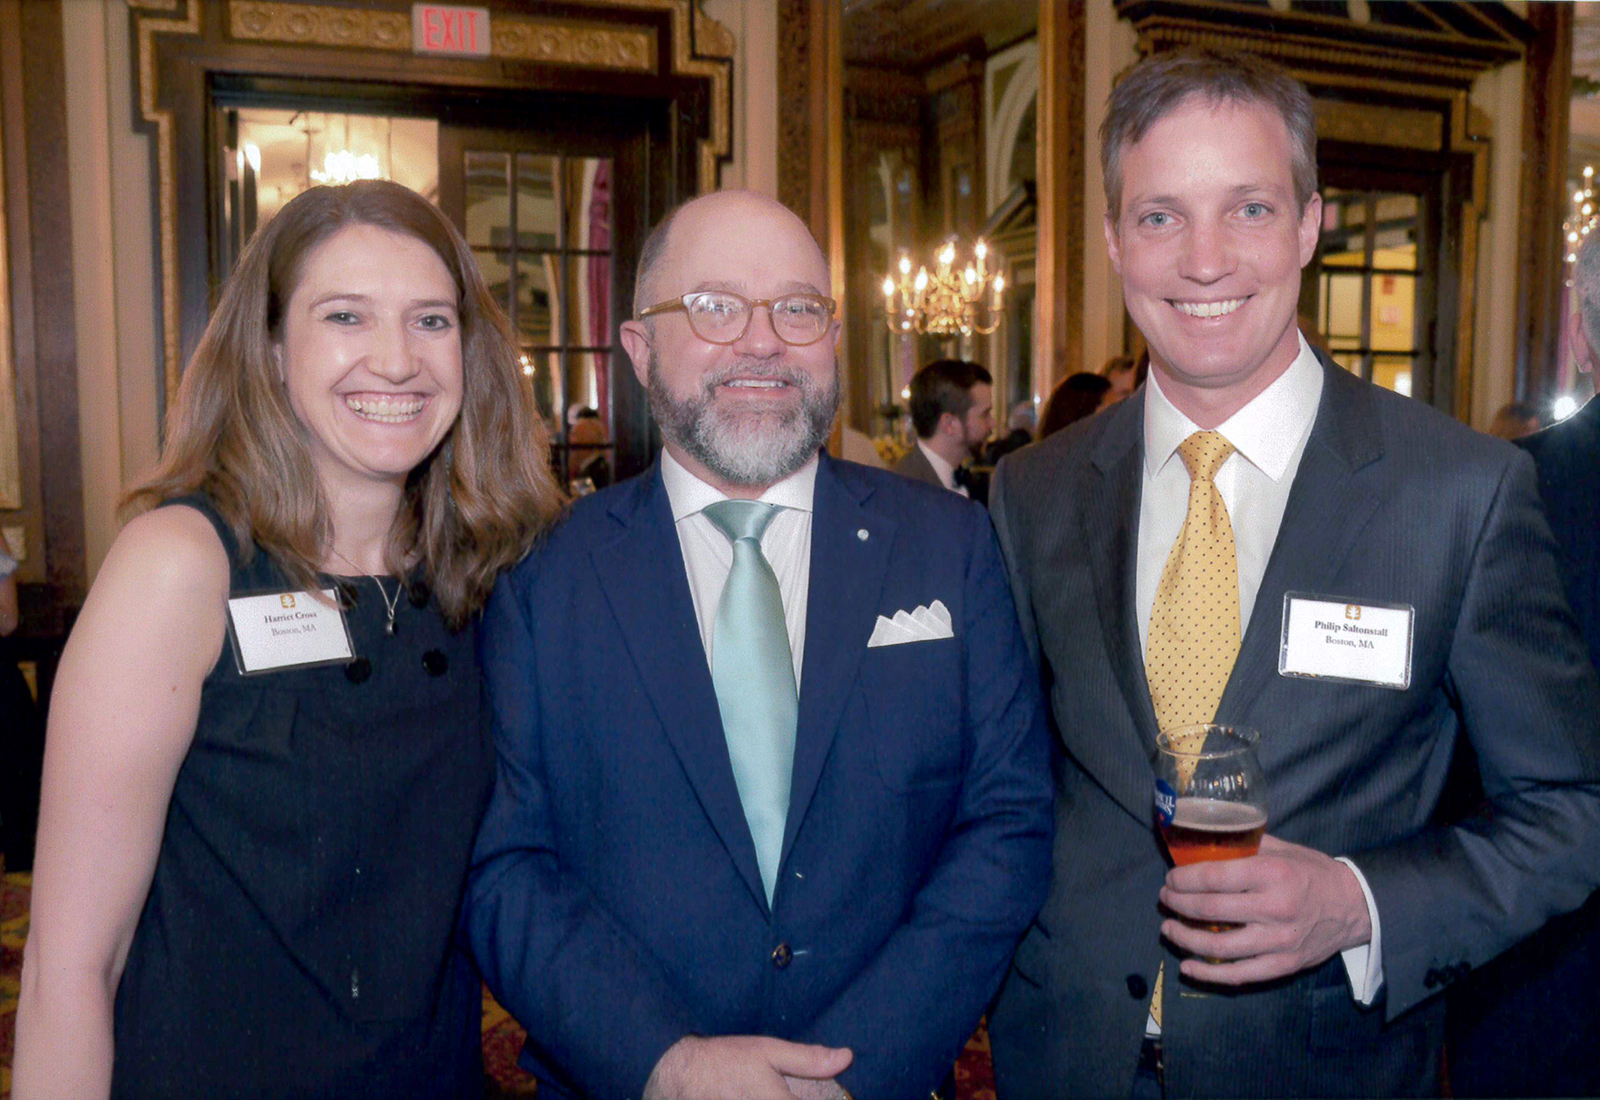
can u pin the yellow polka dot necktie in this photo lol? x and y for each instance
(1194, 625)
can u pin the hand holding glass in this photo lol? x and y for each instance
(1210, 794)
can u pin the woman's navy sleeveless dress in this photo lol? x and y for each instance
(299, 939)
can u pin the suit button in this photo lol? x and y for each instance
(1138, 988)
(358, 670)
(435, 662)
(782, 956)
(1431, 979)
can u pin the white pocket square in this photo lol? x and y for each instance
(924, 624)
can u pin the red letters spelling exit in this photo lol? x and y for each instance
(440, 28)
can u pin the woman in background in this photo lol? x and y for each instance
(1075, 397)
(267, 756)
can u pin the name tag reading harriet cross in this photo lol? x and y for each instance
(279, 630)
(1347, 641)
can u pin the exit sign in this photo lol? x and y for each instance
(448, 29)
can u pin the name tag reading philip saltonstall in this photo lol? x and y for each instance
(1333, 638)
(279, 630)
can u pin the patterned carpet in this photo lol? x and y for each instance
(13, 930)
(502, 1038)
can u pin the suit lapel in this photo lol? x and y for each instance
(644, 580)
(847, 575)
(1310, 550)
(1344, 438)
(1110, 530)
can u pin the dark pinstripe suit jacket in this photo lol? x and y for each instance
(1392, 503)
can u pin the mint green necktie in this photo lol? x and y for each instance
(752, 669)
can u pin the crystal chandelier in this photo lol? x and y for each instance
(948, 302)
(343, 166)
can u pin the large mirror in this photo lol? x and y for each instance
(940, 113)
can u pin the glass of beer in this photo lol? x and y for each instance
(1210, 794)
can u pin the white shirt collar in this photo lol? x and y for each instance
(689, 495)
(1266, 432)
(940, 464)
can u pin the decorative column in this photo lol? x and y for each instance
(1546, 98)
(1058, 329)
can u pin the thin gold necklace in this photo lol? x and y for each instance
(391, 604)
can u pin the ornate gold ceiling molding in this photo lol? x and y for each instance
(558, 42)
(701, 46)
(522, 38)
(1448, 40)
(1317, 53)
(712, 38)
(313, 25)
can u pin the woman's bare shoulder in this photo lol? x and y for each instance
(174, 549)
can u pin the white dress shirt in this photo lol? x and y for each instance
(942, 467)
(1269, 436)
(708, 555)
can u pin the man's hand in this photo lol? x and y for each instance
(1297, 908)
(746, 1067)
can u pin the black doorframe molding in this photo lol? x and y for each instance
(664, 53)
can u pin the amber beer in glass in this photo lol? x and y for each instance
(1210, 793)
(1203, 829)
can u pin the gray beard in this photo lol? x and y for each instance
(745, 448)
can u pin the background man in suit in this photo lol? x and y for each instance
(691, 873)
(1155, 551)
(1525, 1025)
(952, 413)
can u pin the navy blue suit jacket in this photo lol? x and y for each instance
(1525, 1025)
(1568, 458)
(615, 903)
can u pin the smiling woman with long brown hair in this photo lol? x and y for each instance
(266, 758)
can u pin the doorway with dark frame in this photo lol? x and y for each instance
(561, 274)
